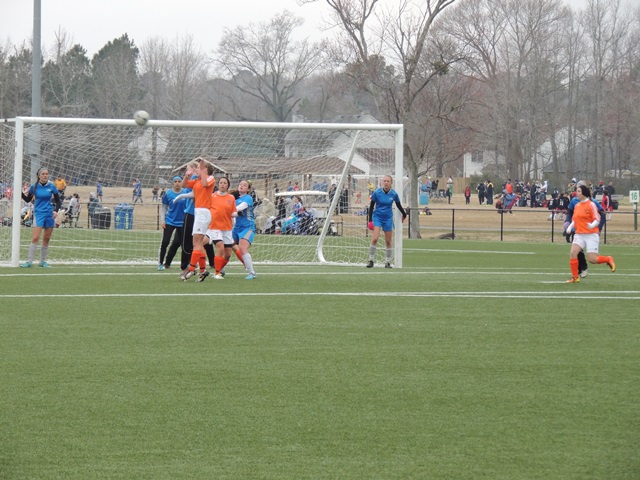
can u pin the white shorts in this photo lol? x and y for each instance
(589, 242)
(220, 235)
(201, 221)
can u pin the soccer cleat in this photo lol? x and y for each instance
(387, 265)
(187, 275)
(584, 273)
(222, 272)
(573, 280)
(202, 276)
(612, 264)
(167, 267)
(370, 264)
(160, 267)
(26, 265)
(218, 276)
(44, 265)
(251, 276)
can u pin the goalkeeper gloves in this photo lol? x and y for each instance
(370, 225)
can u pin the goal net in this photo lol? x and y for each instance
(330, 167)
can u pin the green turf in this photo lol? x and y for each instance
(473, 362)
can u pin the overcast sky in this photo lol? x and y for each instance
(93, 23)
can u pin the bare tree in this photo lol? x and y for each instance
(606, 27)
(389, 56)
(266, 63)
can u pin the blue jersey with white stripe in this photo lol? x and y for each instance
(190, 205)
(245, 219)
(175, 211)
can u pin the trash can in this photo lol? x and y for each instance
(101, 218)
(123, 216)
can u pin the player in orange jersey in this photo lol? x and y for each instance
(223, 209)
(202, 187)
(587, 237)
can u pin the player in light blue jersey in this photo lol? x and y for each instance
(381, 218)
(245, 228)
(47, 202)
(171, 220)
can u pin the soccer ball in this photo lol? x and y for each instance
(141, 117)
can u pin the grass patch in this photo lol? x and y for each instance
(475, 361)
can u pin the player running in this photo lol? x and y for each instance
(585, 220)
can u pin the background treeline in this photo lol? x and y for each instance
(502, 77)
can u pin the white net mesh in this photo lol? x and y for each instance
(292, 159)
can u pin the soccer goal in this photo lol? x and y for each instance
(331, 167)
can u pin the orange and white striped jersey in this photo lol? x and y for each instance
(222, 206)
(585, 212)
(201, 194)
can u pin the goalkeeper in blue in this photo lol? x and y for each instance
(245, 227)
(380, 218)
(171, 220)
(46, 199)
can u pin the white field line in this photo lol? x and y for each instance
(583, 294)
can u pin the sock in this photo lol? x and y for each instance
(219, 264)
(208, 248)
(202, 261)
(44, 252)
(195, 258)
(573, 263)
(241, 257)
(247, 261)
(582, 262)
(32, 252)
(372, 252)
(389, 254)
(603, 259)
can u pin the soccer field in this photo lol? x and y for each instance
(475, 361)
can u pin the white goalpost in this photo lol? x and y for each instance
(331, 166)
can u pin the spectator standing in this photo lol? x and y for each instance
(508, 187)
(61, 185)
(154, 193)
(610, 190)
(137, 192)
(99, 190)
(467, 194)
(489, 192)
(480, 188)
(42, 193)
(606, 204)
(449, 189)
